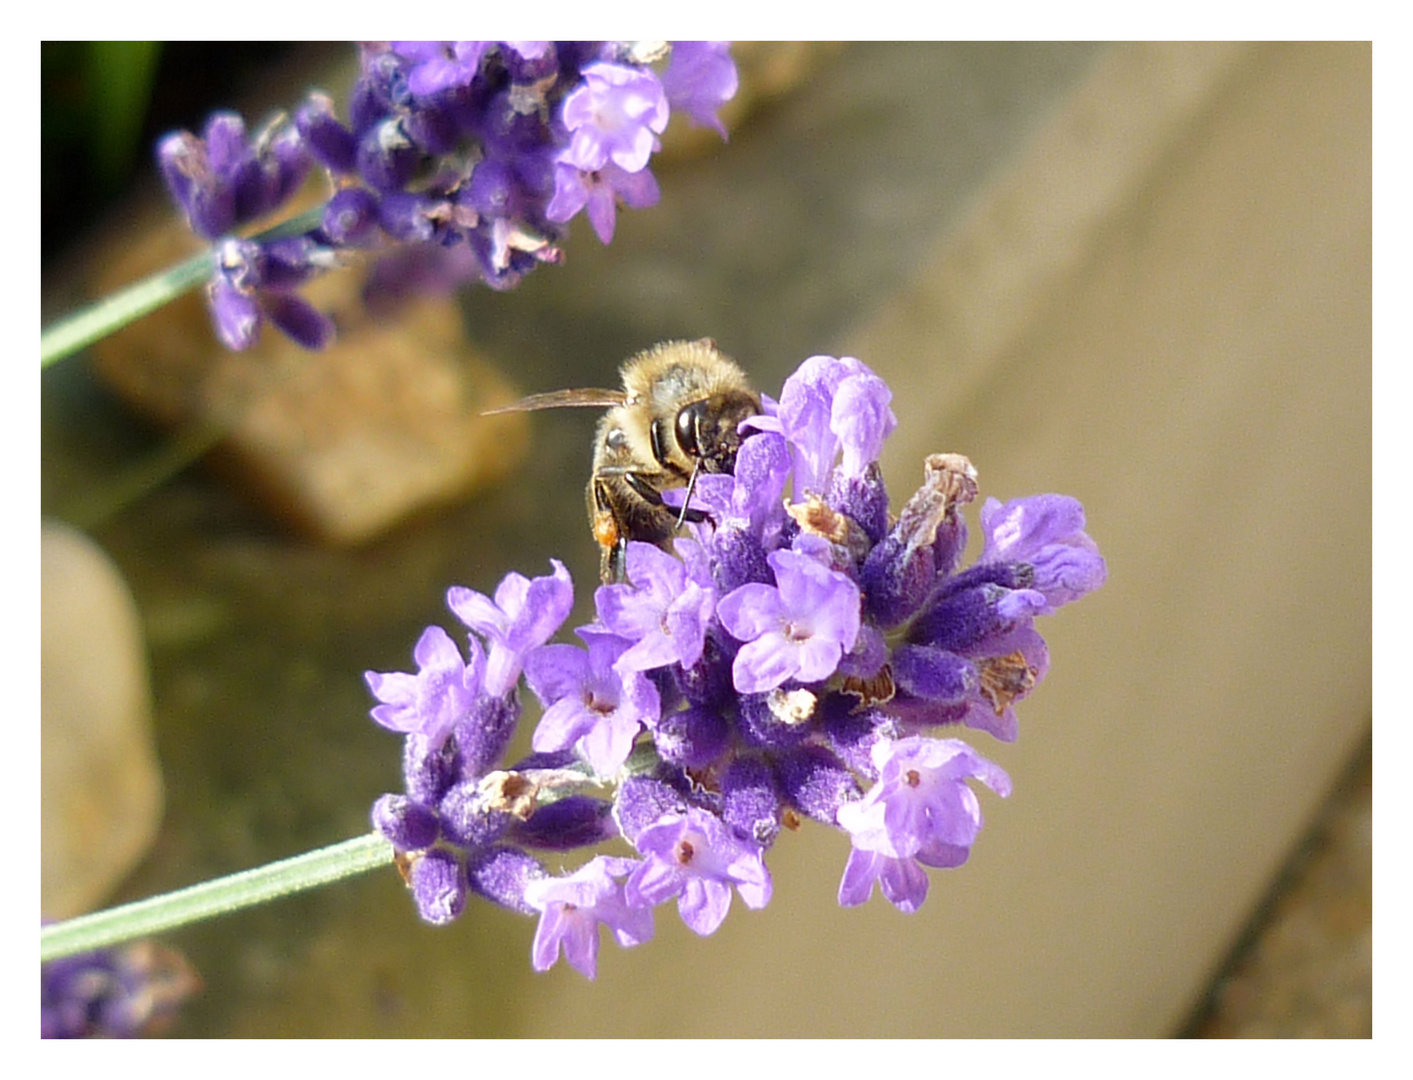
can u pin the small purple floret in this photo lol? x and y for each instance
(696, 858)
(441, 694)
(798, 628)
(921, 808)
(524, 614)
(615, 115)
(588, 703)
(662, 611)
(572, 908)
(700, 78)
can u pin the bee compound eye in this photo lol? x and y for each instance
(689, 419)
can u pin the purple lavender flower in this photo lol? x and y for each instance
(224, 179)
(921, 809)
(700, 78)
(841, 643)
(615, 115)
(438, 885)
(524, 615)
(436, 699)
(588, 703)
(798, 628)
(572, 907)
(661, 610)
(489, 148)
(696, 858)
(119, 993)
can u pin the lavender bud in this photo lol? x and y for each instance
(815, 782)
(692, 738)
(405, 823)
(500, 874)
(438, 886)
(901, 573)
(429, 772)
(468, 819)
(572, 822)
(934, 674)
(328, 140)
(351, 218)
(386, 157)
(486, 732)
(751, 800)
(641, 800)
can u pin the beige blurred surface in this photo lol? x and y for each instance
(1189, 353)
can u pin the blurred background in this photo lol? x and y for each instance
(1139, 274)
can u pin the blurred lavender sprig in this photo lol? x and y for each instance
(459, 161)
(796, 657)
(118, 993)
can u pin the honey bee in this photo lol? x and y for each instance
(676, 417)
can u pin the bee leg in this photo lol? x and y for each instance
(653, 497)
(613, 568)
(645, 490)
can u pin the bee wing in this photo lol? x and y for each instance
(556, 399)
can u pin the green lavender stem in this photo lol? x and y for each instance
(87, 325)
(245, 889)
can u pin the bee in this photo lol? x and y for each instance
(676, 417)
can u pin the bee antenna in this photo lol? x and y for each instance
(687, 499)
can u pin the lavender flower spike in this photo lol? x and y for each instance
(572, 907)
(524, 615)
(697, 859)
(797, 629)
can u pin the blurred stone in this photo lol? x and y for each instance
(101, 783)
(341, 444)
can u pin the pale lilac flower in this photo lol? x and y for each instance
(903, 881)
(615, 115)
(440, 65)
(600, 191)
(662, 610)
(831, 404)
(700, 78)
(921, 808)
(524, 615)
(696, 858)
(588, 704)
(441, 694)
(798, 628)
(572, 907)
(1046, 533)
